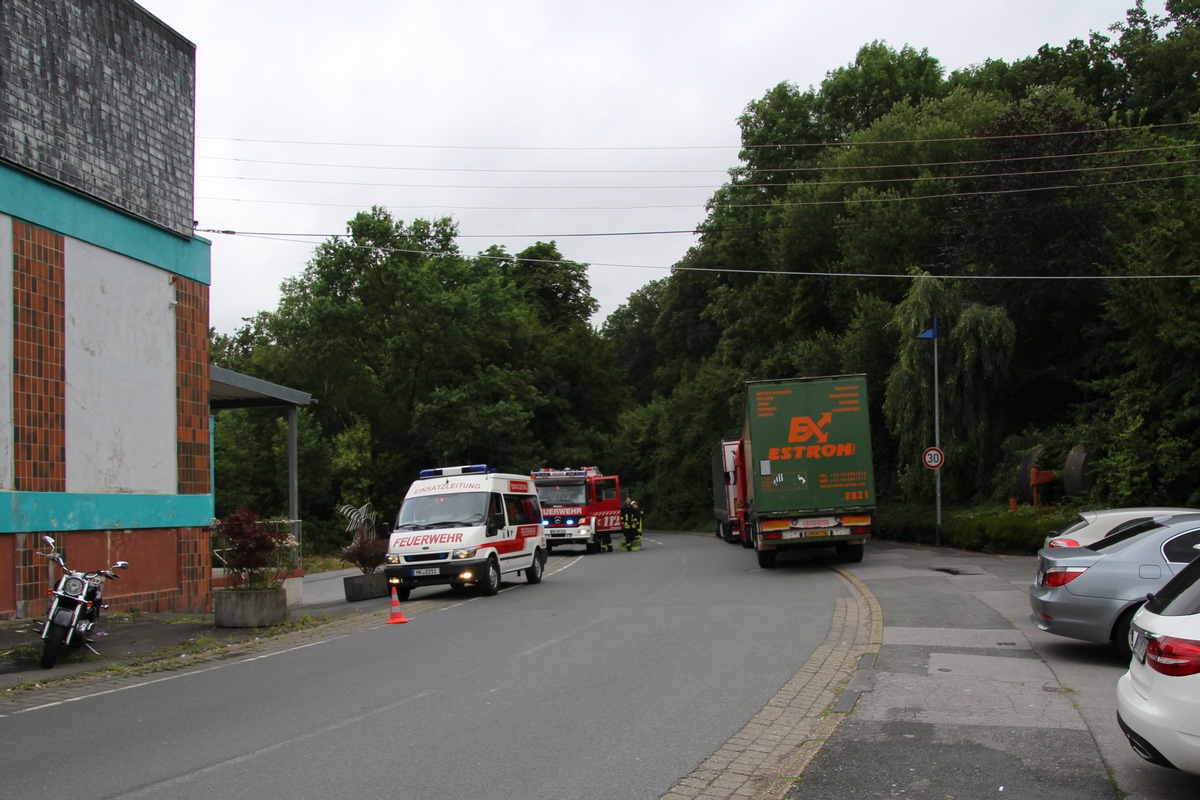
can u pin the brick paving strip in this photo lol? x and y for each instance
(765, 758)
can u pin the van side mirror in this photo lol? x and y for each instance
(495, 523)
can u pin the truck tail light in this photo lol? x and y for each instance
(769, 535)
(860, 530)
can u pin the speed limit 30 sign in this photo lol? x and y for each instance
(933, 457)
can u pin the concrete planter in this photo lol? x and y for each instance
(249, 608)
(365, 587)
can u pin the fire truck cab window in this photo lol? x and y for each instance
(522, 509)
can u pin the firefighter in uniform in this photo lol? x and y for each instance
(631, 526)
(604, 540)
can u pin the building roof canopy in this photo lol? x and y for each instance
(229, 389)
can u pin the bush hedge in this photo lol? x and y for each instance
(983, 529)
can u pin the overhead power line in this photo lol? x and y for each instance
(711, 170)
(781, 273)
(767, 204)
(905, 179)
(659, 148)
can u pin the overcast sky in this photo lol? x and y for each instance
(523, 120)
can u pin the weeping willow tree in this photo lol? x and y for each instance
(975, 348)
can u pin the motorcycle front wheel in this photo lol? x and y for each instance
(52, 644)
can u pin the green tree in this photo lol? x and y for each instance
(630, 332)
(1144, 421)
(974, 347)
(557, 288)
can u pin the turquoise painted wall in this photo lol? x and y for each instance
(35, 201)
(65, 511)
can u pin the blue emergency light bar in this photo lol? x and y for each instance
(584, 472)
(468, 469)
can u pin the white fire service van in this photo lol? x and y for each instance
(466, 526)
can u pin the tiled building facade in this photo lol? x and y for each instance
(104, 408)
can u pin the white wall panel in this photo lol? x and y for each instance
(120, 374)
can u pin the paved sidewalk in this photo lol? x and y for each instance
(966, 699)
(143, 638)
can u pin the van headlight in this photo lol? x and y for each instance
(392, 558)
(466, 552)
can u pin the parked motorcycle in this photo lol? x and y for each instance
(74, 608)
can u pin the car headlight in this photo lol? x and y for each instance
(466, 552)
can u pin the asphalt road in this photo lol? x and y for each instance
(614, 678)
(682, 672)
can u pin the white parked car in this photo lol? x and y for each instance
(1092, 526)
(1158, 699)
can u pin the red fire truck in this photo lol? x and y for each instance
(577, 504)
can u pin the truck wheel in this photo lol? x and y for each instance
(851, 552)
(534, 572)
(489, 584)
(52, 644)
(766, 558)
(592, 548)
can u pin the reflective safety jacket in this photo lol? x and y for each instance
(631, 518)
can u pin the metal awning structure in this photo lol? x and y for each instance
(229, 389)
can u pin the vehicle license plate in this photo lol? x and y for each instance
(426, 571)
(1138, 644)
(814, 534)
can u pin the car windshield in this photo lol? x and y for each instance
(562, 494)
(1180, 596)
(443, 510)
(1117, 539)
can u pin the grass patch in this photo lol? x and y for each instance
(22, 654)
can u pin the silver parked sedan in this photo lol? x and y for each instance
(1092, 526)
(1092, 593)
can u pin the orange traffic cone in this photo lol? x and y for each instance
(397, 615)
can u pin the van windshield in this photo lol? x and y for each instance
(562, 494)
(443, 511)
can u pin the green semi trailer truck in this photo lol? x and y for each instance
(803, 470)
